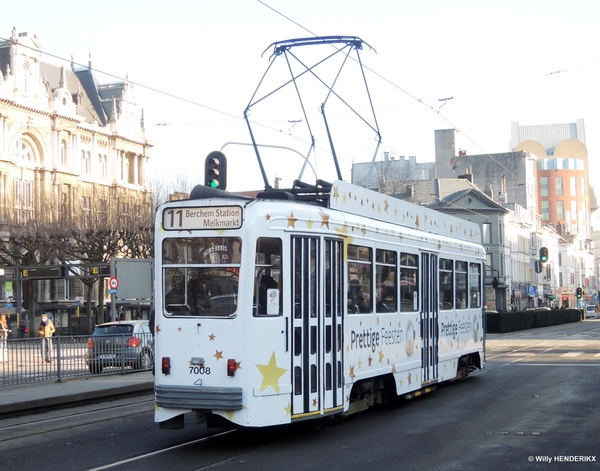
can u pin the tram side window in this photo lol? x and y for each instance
(409, 282)
(446, 283)
(475, 284)
(267, 277)
(359, 279)
(461, 285)
(385, 280)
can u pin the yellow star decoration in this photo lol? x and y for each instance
(344, 198)
(351, 374)
(309, 224)
(211, 337)
(238, 365)
(288, 409)
(178, 329)
(381, 355)
(231, 412)
(386, 205)
(157, 329)
(409, 378)
(417, 224)
(347, 240)
(336, 194)
(271, 374)
(218, 354)
(291, 220)
(359, 364)
(324, 218)
(315, 402)
(393, 368)
(370, 360)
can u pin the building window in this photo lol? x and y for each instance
(86, 206)
(544, 186)
(103, 164)
(559, 186)
(63, 153)
(85, 163)
(545, 212)
(560, 210)
(573, 186)
(23, 151)
(23, 201)
(487, 232)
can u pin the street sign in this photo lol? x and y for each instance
(113, 283)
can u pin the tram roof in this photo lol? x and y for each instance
(364, 202)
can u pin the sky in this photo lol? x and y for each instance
(196, 64)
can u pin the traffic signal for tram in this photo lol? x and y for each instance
(579, 292)
(215, 170)
(543, 254)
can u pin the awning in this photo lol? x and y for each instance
(549, 296)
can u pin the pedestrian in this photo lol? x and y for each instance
(45, 331)
(3, 339)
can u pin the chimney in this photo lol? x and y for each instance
(488, 191)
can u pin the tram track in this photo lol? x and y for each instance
(217, 448)
(49, 422)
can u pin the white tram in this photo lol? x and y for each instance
(282, 308)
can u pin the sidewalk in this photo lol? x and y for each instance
(47, 394)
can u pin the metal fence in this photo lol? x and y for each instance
(22, 360)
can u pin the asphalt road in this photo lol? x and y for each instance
(534, 406)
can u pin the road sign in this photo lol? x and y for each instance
(113, 283)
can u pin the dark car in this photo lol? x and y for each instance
(120, 344)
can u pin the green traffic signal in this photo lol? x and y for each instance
(215, 170)
(543, 254)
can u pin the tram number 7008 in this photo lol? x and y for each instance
(199, 370)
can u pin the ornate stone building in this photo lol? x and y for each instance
(70, 147)
(62, 134)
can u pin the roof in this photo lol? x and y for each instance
(445, 193)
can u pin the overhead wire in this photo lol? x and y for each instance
(390, 82)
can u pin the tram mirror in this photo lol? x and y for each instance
(272, 302)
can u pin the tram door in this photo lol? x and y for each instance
(429, 317)
(316, 325)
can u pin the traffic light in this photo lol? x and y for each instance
(543, 254)
(579, 292)
(215, 170)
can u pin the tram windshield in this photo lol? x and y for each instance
(201, 276)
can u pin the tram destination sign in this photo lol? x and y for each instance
(203, 217)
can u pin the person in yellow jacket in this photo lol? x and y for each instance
(45, 331)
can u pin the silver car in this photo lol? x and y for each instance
(120, 344)
(590, 311)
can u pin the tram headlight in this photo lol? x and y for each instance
(231, 367)
(166, 365)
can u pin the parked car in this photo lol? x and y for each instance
(120, 344)
(590, 311)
